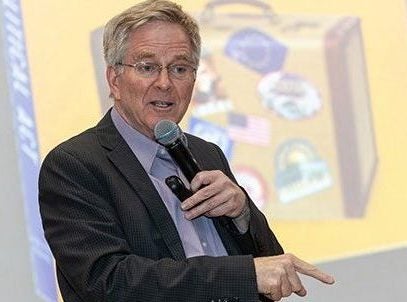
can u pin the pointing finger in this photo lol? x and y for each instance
(312, 271)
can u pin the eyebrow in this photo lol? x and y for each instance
(144, 55)
(149, 55)
(184, 57)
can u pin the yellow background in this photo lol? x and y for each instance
(66, 102)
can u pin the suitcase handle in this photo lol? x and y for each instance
(267, 9)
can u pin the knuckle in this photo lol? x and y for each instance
(205, 194)
(213, 213)
(193, 210)
(203, 178)
(274, 284)
(220, 176)
(281, 270)
(289, 256)
(198, 177)
(217, 172)
(231, 195)
(210, 175)
(211, 204)
(286, 262)
(210, 213)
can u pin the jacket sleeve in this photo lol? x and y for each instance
(95, 262)
(259, 240)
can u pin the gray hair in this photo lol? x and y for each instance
(118, 29)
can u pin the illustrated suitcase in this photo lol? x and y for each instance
(287, 99)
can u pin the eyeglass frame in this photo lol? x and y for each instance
(160, 69)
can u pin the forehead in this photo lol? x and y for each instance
(159, 40)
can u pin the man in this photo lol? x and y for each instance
(116, 231)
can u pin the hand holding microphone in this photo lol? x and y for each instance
(214, 194)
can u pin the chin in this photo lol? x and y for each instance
(171, 118)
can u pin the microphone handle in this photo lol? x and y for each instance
(178, 188)
(184, 159)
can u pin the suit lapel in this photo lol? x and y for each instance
(123, 158)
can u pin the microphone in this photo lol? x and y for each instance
(170, 135)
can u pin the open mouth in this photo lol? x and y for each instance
(162, 104)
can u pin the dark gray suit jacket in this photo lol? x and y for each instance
(114, 240)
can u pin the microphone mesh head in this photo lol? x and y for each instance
(166, 132)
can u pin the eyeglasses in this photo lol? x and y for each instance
(152, 70)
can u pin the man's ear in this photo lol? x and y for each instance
(112, 75)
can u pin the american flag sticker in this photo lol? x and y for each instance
(249, 129)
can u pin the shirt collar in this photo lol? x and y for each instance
(144, 148)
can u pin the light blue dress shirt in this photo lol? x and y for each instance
(199, 236)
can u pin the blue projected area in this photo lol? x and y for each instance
(24, 128)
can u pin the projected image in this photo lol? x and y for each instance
(303, 98)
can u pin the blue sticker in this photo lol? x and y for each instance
(256, 50)
(212, 133)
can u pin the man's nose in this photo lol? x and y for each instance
(163, 80)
